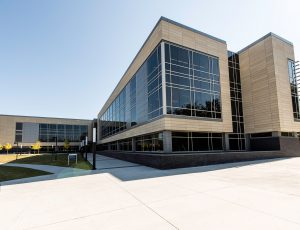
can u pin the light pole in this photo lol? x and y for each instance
(86, 146)
(82, 151)
(55, 148)
(16, 142)
(94, 148)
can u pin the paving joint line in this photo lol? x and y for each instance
(119, 167)
(144, 204)
(82, 217)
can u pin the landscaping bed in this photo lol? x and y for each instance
(45, 159)
(12, 173)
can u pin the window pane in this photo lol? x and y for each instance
(181, 98)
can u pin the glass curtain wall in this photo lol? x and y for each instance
(19, 132)
(294, 89)
(139, 101)
(72, 133)
(237, 139)
(193, 83)
(145, 143)
(196, 142)
(125, 145)
(150, 143)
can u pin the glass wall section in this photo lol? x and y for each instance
(113, 121)
(237, 138)
(114, 146)
(133, 101)
(150, 143)
(196, 142)
(43, 132)
(125, 145)
(139, 101)
(72, 133)
(146, 143)
(19, 132)
(154, 83)
(193, 83)
(294, 89)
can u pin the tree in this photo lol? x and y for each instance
(37, 146)
(7, 147)
(66, 145)
(1, 147)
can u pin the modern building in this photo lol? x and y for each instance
(185, 96)
(186, 100)
(24, 131)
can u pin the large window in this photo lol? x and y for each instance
(150, 143)
(133, 101)
(125, 145)
(196, 142)
(19, 132)
(154, 83)
(145, 143)
(72, 133)
(294, 89)
(139, 101)
(237, 139)
(193, 83)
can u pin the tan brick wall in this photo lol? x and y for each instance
(196, 41)
(282, 52)
(265, 86)
(170, 123)
(8, 126)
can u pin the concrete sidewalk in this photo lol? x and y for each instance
(58, 172)
(247, 195)
(103, 162)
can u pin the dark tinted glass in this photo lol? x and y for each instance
(181, 98)
(180, 80)
(236, 140)
(179, 56)
(18, 138)
(200, 62)
(200, 144)
(19, 126)
(189, 72)
(180, 144)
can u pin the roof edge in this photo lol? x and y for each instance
(148, 37)
(263, 38)
(10, 115)
(190, 28)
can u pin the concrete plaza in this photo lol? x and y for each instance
(122, 195)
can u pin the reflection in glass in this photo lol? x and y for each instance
(196, 142)
(192, 79)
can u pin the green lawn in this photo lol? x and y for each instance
(11, 173)
(45, 159)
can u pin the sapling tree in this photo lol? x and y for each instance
(7, 147)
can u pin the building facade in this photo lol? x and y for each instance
(24, 131)
(170, 98)
(187, 100)
(184, 92)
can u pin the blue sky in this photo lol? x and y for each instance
(63, 58)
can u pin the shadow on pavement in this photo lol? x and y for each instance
(127, 171)
(144, 172)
